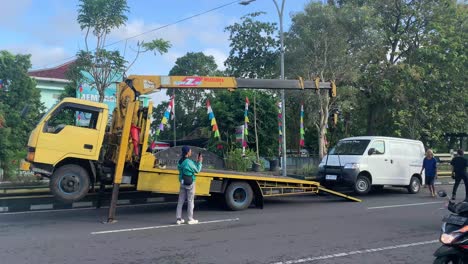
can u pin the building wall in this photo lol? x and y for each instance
(50, 92)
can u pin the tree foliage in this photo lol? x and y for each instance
(98, 18)
(254, 48)
(20, 108)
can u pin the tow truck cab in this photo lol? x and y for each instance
(67, 142)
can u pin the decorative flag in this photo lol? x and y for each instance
(164, 120)
(172, 104)
(246, 125)
(280, 128)
(81, 90)
(302, 132)
(212, 118)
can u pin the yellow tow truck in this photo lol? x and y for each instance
(77, 146)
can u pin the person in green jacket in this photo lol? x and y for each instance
(187, 177)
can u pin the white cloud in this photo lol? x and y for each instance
(219, 56)
(60, 28)
(42, 56)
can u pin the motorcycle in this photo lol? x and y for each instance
(454, 237)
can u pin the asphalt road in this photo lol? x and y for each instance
(387, 227)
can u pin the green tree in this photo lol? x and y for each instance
(255, 54)
(20, 108)
(322, 43)
(229, 110)
(254, 48)
(98, 18)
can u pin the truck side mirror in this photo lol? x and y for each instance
(371, 151)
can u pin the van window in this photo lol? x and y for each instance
(350, 147)
(379, 147)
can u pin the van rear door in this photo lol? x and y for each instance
(400, 153)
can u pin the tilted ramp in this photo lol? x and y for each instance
(354, 199)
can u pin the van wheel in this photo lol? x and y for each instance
(239, 196)
(69, 183)
(362, 185)
(415, 185)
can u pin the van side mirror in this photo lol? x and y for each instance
(371, 151)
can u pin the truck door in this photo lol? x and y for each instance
(72, 130)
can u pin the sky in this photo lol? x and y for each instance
(47, 29)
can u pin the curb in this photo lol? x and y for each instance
(48, 203)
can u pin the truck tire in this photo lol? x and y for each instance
(69, 183)
(238, 195)
(362, 185)
(415, 185)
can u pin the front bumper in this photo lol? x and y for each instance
(344, 177)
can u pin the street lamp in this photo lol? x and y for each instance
(280, 10)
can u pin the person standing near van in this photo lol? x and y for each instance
(187, 176)
(430, 166)
(459, 165)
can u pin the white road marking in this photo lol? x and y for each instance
(41, 206)
(122, 202)
(82, 204)
(158, 227)
(82, 209)
(357, 252)
(402, 205)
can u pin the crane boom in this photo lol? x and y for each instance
(145, 84)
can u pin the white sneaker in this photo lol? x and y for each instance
(192, 222)
(180, 221)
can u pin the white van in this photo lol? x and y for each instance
(366, 162)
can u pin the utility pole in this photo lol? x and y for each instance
(283, 103)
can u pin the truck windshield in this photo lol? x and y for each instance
(350, 147)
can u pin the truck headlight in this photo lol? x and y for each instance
(31, 154)
(351, 166)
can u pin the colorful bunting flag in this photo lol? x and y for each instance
(280, 128)
(212, 118)
(246, 125)
(302, 132)
(164, 120)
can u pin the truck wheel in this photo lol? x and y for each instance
(415, 185)
(69, 183)
(239, 196)
(362, 185)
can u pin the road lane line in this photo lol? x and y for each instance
(357, 252)
(158, 227)
(402, 205)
